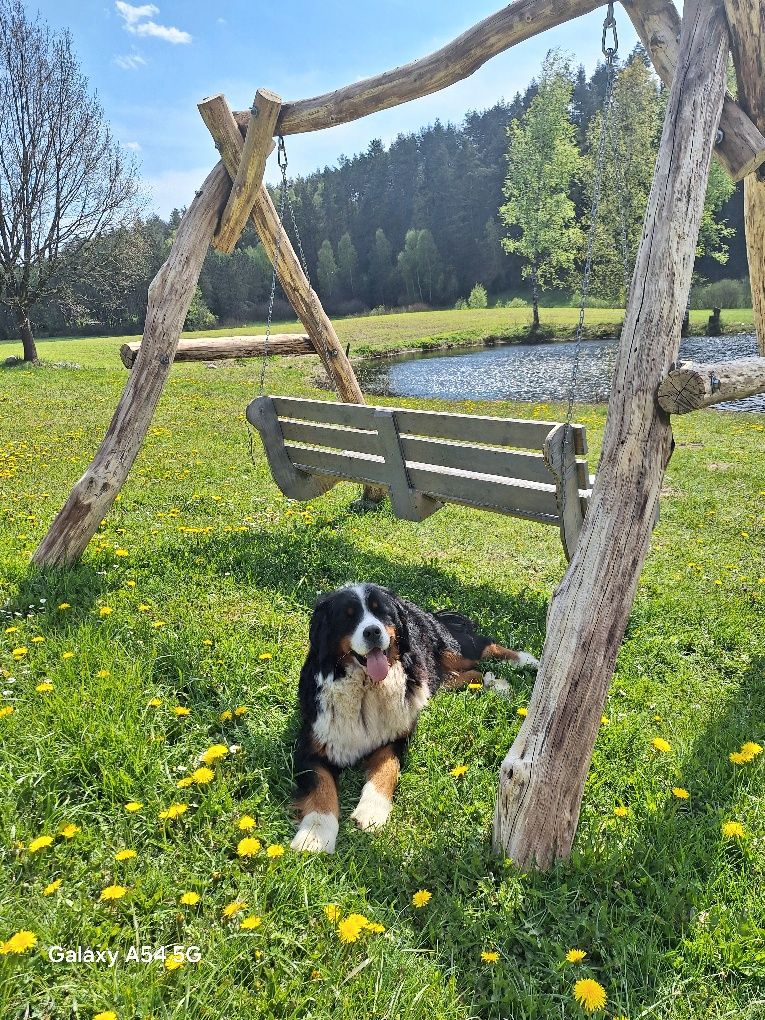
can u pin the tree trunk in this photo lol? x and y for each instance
(542, 777)
(535, 302)
(27, 338)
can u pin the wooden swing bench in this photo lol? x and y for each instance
(428, 458)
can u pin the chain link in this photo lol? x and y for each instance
(277, 252)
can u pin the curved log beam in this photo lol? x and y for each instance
(657, 22)
(453, 62)
(222, 347)
(170, 295)
(542, 777)
(690, 387)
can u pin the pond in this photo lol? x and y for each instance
(533, 372)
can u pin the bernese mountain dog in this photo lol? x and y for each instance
(374, 662)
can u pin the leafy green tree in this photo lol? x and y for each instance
(542, 162)
(478, 297)
(347, 262)
(326, 269)
(428, 265)
(380, 268)
(714, 231)
(407, 264)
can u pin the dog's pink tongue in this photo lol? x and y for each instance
(377, 665)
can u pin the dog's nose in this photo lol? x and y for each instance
(372, 634)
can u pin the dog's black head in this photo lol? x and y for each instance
(360, 620)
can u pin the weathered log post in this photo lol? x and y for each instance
(746, 19)
(691, 386)
(170, 295)
(542, 777)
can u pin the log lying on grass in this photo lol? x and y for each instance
(691, 386)
(219, 348)
(657, 22)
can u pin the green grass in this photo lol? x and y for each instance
(670, 913)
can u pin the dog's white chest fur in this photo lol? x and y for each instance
(357, 716)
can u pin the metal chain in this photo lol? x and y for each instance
(610, 54)
(619, 160)
(277, 252)
(283, 164)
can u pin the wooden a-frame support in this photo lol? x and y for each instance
(543, 775)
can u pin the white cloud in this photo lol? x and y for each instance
(129, 61)
(135, 146)
(135, 22)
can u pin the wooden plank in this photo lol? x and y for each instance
(543, 774)
(327, 412)
(657, 22)
(407, 503)
(488, 460)
(691, 386)
(326, 435)
(293, 483)
(252, 164)
(219, 348)
(559, 455)
(358, 467)
(527, 434)
(507, 496)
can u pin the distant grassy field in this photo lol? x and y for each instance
(185, 627)
(375, 334)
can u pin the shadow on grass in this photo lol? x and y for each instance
(43, 590)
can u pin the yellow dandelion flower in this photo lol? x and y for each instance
(144, 608)
(44, 688)
(733, 830)
(660, 744)
(214, 753)
(604, 720)
(590, 995)
(67, 655)
(575, 955)
(52, 887)
(121, 552)
(39, 844)
(174, 961)
(37, 639)
(489, 957)
(265, 656)
(180, 710)
(241, 710)
(132, 806)
(680, 792)
(64, 605)
(246, 822)
(475, 687)
(190, 899)
(234, 908)
(751, 748)
(20, 652)
(155, 702)
(251, 922)
(375, 927)
(739, 758)
(458, 770)
(130, 584)
(332, 912)
(105, 611)
(11, 630)
(6, 710)
(202, 776)
(349, 929)
(18, 943)
(248, 846)
(113, 892)
(276, 850)
(157, 624)
(174, 811)
(69, 830)
(522, 712)
(108, 1014)
(183, 783)
(621, 811)
(125, 855)
(421, 897)
(226, 716)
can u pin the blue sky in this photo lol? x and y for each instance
(152, 63)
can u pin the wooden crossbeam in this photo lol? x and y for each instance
(221, 347)
(258, 144)
(691, 386)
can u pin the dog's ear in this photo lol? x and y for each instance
(320, 658)
(400, 621)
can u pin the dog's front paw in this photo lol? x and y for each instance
(525, 660)
(317, 833)
(372, 810)
(498, 684)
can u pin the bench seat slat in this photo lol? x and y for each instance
(359, 467)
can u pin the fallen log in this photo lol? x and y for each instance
(219, 348)
(691, 386)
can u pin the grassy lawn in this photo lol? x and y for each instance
(185, 626)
